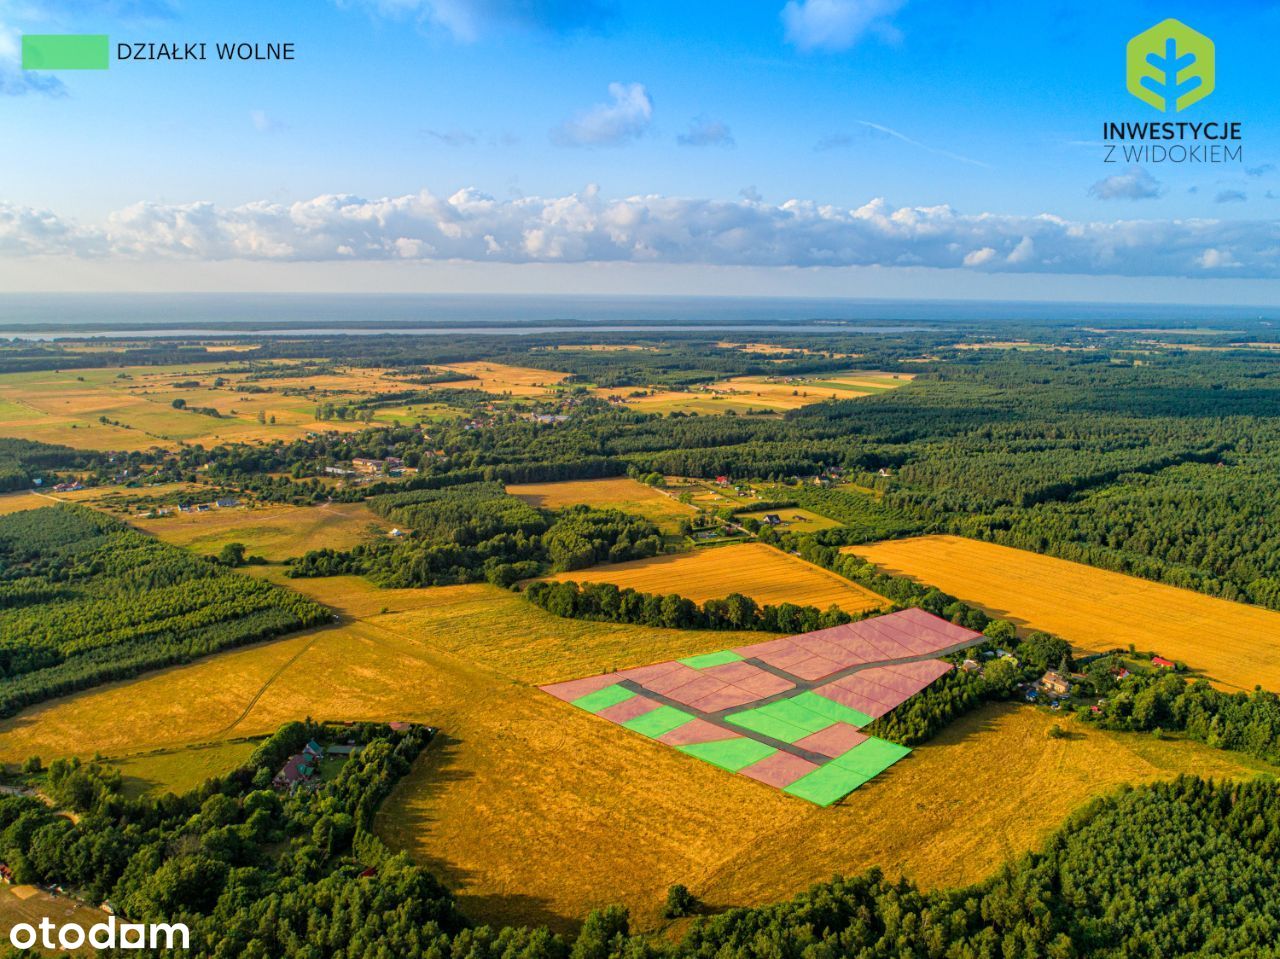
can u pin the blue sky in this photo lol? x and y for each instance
(843, 146)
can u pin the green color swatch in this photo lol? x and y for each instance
(826, 784)
(871, 757)
(711, 659)
(831, 709)
(661, 720)
(730, 754)
(764, 722)
(66, 51)
(603, 698)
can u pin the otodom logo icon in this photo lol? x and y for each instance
(1170, 66)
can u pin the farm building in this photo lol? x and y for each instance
(298, 768)
(1056, 683)
(1159, 662)
(367, 466)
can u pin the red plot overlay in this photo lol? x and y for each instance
(788, 712)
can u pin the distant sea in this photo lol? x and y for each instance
(52, 315)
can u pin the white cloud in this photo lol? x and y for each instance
(1135, 184)
(16, 82)
(1024, 252)
(838, 24)
(624, 118)
(1215, 259)
(586, 227)
(980, 257)
(706, 132)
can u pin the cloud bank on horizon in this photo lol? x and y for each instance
(470, 226)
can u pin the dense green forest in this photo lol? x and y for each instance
(475, 531)
(1184, 868)
(606, 603)
(85, 599)
(24, 462)
(1168, 702)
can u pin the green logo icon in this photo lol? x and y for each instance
(1170, 66)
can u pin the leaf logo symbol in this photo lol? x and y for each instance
(1170, 66)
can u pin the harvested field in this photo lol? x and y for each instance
(742, 393)
(500, 378)
(767, 575)
(622, 493)
(17, 502)
(275, 532)
(1096, 610)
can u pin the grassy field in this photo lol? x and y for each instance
(767, 575)
(1231, 643)
(793, 520)
(536, 812)
(111, 498)
(619, 493)
(275, 532)
(183, 769)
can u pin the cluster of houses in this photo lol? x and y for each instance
(391, 466)
(301, 769)
(365, 469)
(227, 502)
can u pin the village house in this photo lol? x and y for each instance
(1055, 683)
(772, 519)
(1159, 662)
(367, 466)
(299, 767)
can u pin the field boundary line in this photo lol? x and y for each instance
(271, 679)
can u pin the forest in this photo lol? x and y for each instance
(85, 599)
(606, 603)
(475, 532)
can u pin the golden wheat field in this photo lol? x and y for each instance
(1233, 644)
(501, 378)
(618, 493)
(742, 393)
(533, 811)
(274, 532)
(767, 575)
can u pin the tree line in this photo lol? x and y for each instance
(85, 599)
